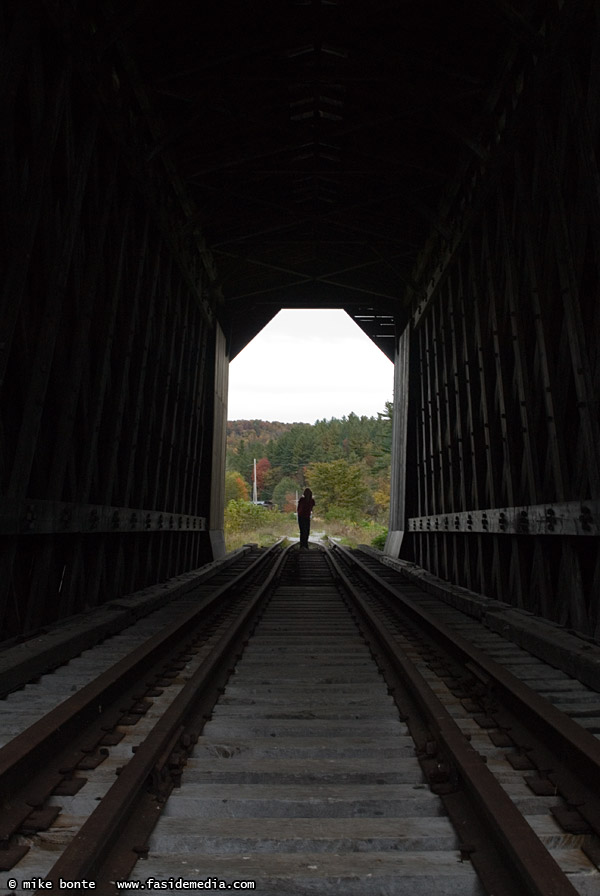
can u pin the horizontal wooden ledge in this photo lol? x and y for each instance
(38, 517)
(580, 518)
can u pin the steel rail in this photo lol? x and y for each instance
(89, 853)
(515, 838)
(574, 751)
(28, 752)
(553, 727)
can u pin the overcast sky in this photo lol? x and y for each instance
(309, 365)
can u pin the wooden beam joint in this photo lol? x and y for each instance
(37, 517)
(580, 518)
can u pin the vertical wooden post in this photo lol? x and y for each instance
(397, 523)
(217, 485)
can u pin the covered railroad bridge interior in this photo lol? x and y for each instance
(173, 174)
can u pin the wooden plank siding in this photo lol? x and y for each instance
(107, 332)
(114, 337)
(508, 354)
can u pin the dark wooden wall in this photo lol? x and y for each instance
(503, 456)
(107, 341)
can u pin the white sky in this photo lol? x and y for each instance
(307, 365)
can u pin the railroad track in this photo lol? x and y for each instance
(127, 696)
(537, 787)
(272, 750)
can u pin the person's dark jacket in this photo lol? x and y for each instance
(305, 506)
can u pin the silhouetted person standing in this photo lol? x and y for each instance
(305, 506)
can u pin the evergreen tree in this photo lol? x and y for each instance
(293, 448)
(284, 494)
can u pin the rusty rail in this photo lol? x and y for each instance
(533, 868)
(28, 772)
(90, 849)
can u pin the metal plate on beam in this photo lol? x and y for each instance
(571, 518)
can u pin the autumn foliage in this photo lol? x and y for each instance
(345, 461)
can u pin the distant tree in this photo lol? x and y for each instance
(329, 438)
(236, 489)
(243, 516)
(283, 456)
(284, 494)
(272, 476)
(382, 450)
(381, 498)
(339, 488)
(262, 469)
(303, 451)
(291, 448)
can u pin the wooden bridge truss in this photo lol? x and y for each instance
(503, 459)
(108, 342)
(114, 324)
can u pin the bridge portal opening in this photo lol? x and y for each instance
(308, 365)
(309, 401)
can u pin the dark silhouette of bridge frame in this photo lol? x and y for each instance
(176, 173)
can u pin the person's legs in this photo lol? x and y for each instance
(304, 526)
